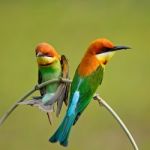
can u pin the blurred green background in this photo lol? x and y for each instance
(70, 26)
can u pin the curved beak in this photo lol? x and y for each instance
(116, 48)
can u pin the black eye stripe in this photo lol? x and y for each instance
(104, 50)
(45, 54)
(49, 55)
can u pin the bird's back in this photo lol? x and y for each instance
(86, 86)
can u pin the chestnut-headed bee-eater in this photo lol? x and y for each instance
(87, 78)
(50, 66)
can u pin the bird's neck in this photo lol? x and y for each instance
(88, 65)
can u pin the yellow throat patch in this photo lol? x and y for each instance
(45, 60)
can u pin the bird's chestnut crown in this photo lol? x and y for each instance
(99, 46)
(103, 45)
(103, 49)
(45, 49)
(46, 54)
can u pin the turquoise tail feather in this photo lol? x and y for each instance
(64, 129)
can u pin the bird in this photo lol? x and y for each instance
(51, 65)
(88, 76)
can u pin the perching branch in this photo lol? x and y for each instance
(37, 87)
(117, 118)
(4, 117)
(96, 97)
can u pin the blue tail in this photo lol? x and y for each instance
(63, 131)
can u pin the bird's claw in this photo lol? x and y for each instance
(36, 87)
(97, 98)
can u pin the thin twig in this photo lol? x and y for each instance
(98, 98)
(4, 117)
(37, 87)
(117, 118)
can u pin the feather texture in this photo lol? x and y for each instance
(50, 66)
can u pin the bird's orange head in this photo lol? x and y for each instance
(99, 53)
(46, 54)
(103, 49)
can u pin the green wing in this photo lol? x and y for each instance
(86, 87)
(42, 90)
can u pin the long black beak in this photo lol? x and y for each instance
(116, 48)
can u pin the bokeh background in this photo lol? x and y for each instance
(70, 26)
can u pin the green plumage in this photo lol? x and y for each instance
(55, 92)
(82, 91)
(52, 71)
(86, 80)
(86, 86)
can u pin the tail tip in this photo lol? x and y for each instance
(53, 140)
(64, 143)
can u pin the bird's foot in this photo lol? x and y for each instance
(97, 98)
(36, 87)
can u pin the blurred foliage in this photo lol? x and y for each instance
(70, 26)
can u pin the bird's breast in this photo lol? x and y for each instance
(88, 65)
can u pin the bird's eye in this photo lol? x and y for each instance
(104, 50)
(48, 54)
